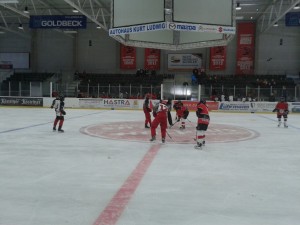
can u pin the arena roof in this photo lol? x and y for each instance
(106, 14)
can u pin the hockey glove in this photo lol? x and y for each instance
(275, 110)
(63, 112)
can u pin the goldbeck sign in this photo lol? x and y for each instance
(58, 22)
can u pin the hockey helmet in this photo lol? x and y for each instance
(282, 99)
(62, 98)
(179, 102)
(203, 101)
(163, 102)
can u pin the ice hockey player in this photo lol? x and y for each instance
(182, 113)
(282, 109)
(202, 124)
(160, 114)
(147, 110)
(169, 105)
(60, 112)
(53, 102)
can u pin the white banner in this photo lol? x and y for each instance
(138, 29)
(201, 28)
(172, 26)
(109, 103)
(184, 61)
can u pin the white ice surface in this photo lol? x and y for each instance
(47, 178)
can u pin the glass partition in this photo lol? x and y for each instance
(166, 91)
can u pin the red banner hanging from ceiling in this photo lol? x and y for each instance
(217, 59)
(128, 57)
(152, 59)
(245, 48)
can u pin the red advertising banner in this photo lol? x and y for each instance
(152, 59)
(128, 57)
(245, 48)
(192, 105)
(217, 59)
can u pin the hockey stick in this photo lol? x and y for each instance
(169, 135)
(188, 120)
(173, 124)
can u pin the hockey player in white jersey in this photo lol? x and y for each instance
(60, 112)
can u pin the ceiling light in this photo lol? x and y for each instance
(238, 7)
(98, 27)
(9, 1)
(297, 6)
(168, 11)
(275, 24)
(70, 31)
(239, 17)
(26, 10)
(75, 11)
(2, 32)
(20, 26)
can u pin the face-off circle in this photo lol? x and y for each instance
(135, 131)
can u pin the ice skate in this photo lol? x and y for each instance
(60, 130)
(286, 126)
(198, 146)
(54, 129)
(146, 126)
(163, 140)
(279, 124)
(153, 138)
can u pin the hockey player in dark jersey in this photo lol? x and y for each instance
(169, 105)
(202, 123)
(282, 109)
(147, 110)
(60, 112)
(53, 102)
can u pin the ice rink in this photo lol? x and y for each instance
(104, 171)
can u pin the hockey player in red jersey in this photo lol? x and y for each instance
(202, 124)
(147, 110)
(182, 113)
(160, 113)
(60, 112)
(282, 109)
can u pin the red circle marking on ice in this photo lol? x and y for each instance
(135, 131)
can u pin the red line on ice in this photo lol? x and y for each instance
(116, 206)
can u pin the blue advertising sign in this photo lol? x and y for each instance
(292, 19)
(58, 22)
